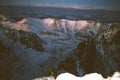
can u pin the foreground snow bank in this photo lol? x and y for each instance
(92, 76)
(68, 76)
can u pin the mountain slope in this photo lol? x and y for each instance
(98, 54)
(43, 47)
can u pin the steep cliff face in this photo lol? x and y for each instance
(108, 46)
(98, 53)
(87, 55)
(101, 54)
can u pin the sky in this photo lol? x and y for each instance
(92, 4)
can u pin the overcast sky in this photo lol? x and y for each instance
(104, 4)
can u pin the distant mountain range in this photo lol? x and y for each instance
(100, 15)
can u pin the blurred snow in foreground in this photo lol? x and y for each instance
(92, 76)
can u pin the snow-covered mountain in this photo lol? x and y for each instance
(53, 26)
(40, 47)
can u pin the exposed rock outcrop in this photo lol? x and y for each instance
(86, 54)
(100, 53)
(108, 47)
(29, 39)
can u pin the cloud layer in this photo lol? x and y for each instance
(107, 4)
